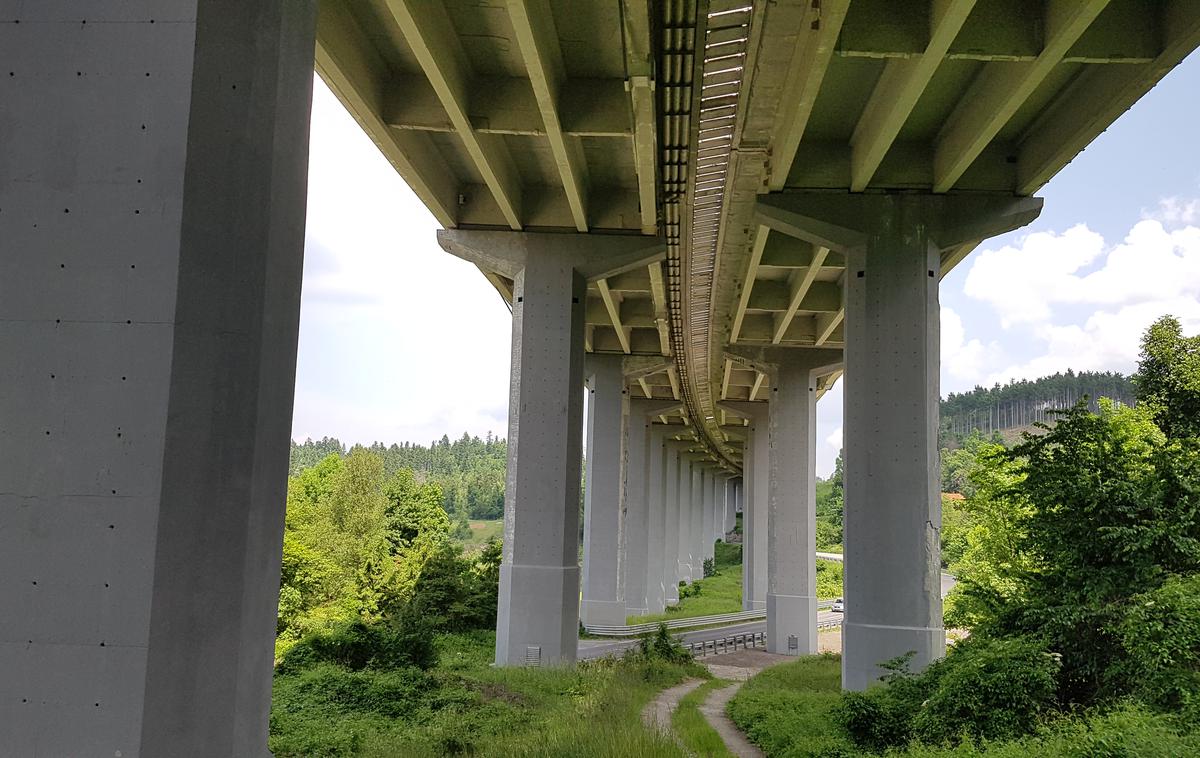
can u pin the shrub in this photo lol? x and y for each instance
(881, 717)
(1160, 634)
(663, 647)
(987, 689)
(710, 567)
(405, 640)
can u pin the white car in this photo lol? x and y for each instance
(839, 606)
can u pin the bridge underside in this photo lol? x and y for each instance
(703, 212)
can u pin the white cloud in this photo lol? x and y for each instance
(1081, 304)
(1173, 210)
(1107, 341)
(1021, 282)
(962, 359)
(834, 440)
(1024, 283)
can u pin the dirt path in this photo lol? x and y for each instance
(713, 710)
(657, 714)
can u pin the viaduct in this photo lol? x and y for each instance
(705, 211)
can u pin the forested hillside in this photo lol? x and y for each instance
(1021, 403)
(469, 471)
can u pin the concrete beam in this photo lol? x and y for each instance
(846, 222)
(899, 87)
(431, 36)
(346, 60)
(593, 256)
(815, 43)
(533, 24)
(506, 105)
(1101, 94)
(1001, 89)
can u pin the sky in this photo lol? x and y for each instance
(399, 341)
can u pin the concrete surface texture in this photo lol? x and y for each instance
(604, 500)
(149, 310)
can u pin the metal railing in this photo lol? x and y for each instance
(733, 643)
(634, 630)
(705, 648)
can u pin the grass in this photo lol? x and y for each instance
(481, 531)
(693, 729)
(465, 706)
(718, 594)
(790, 710)
(723, 593)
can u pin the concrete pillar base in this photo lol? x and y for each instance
(538, 626)
(882, 643)
(789, 615)
(603, 612)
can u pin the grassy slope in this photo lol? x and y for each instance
(788, 710)
(718, 594)
(481, 531)
(723, 593)
(465, 706)
(693, 729)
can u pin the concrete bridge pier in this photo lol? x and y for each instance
(791, 498)
(696, 524)
(708, 505)
(684, 573)
(151, 250)
(538, 611)
(755, 489)
(603, 501)
(895, 246)
(643, 522)
(671, 522)
(656, 520)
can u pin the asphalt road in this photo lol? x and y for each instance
(601, 648)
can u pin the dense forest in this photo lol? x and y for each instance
(1021, 403)
(469, 471)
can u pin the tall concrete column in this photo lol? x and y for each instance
(755, 516)
(893, 246)
(731, 506)
(151, 250)
(656, 520)
(707, 487)
(697, 523)
(686, 515)
(791, 543)
(537, 620)
(671, 522)
(603, 505)
(642, 525)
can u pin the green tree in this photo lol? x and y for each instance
(1114, 511)
(1168, 378)
(412, 509)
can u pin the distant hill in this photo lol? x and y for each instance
(1017, 405)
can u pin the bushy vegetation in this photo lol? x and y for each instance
(1077, 554)
(465, 706)
(364, 546)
